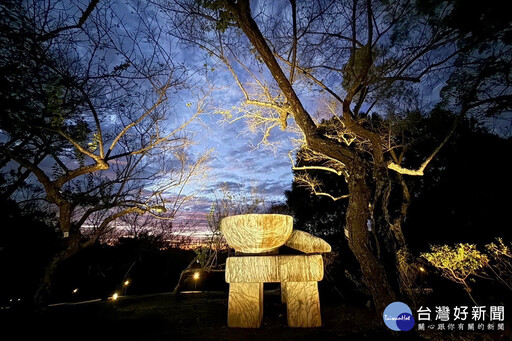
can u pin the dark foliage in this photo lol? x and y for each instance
(101, 270)
(465, 195)
(27, 242)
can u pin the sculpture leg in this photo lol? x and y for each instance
(283, 292)
(303, 304)
(245, 305)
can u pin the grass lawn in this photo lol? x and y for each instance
(199, 316)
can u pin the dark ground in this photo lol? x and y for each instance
(195, 316)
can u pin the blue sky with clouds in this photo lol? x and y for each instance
(240, 166)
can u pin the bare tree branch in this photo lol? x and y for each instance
(85, 15)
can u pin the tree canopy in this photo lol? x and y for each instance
(87, 116)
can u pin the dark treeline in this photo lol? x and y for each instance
(29, 240)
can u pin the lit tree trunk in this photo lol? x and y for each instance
(358, 215)
(360, 192)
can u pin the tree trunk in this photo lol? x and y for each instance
(358, 215)
(44, 291)
(358, 210)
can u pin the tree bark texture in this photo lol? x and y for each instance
(358, 215)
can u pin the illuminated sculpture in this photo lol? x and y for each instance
(256, 239)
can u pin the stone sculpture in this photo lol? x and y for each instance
(256, 239)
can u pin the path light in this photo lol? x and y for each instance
(115, 296)
(196, 278)
(75, 290)
(125, 286)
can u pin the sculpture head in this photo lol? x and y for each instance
(256, 233)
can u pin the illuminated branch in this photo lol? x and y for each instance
(348, 120)
(306, 168)
(98, 159)
(330, 196)
(313, 78)
(81, 171)
(235, 76)
(162, 98)
(420, 171)
(264, 88)
(242, 14)
(264, 104)
(186, 177)
(313, 184)
(327, 169)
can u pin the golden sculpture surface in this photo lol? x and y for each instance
(252, 235)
